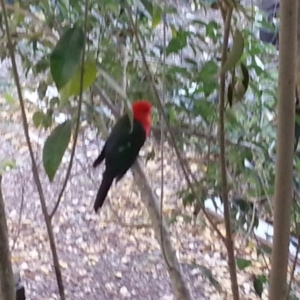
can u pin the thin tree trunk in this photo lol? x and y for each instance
(179, 284)
(285, 149)
(298, 53)
(229, 243)
(7, 290)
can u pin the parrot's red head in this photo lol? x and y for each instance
(142, 113)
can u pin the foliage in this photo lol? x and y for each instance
(193, 49)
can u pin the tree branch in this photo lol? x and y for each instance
(163, 113)
(229, 241)
(150, 200)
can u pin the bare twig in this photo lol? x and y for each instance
(33, 161)
(130, 225)
(229, 242)
(162, 139)
(78, 117)
(211, 138)
(106, 99)
(34, 18)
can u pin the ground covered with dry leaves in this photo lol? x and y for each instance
(112, 255)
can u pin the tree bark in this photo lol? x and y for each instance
(298, 52)
(285, 149)
(7, 286)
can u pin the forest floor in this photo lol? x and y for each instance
(112, 255)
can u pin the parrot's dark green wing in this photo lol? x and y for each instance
(120, 152)
(123, 146)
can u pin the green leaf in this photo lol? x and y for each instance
(243, 263)
(72, 88)
(235, 53)
(17, 16)
(264, 249)
(188, 199)
(148, 6)
(208, 70)
(47, 120)
(258, 284)
(241, 85)
(7, 165)
(173, 31)
(232, 120)
(150, 155)
(38, 118)
(8, 98)
(205, 109)
(230, 94)
(54, 102)
(66, 55)
(191, 61)
(55, 147)
(178, 42)
(245, 76)
(42, 65)
(156, 16)
(42, 89)
(213, 31)
(171, 115)
(239, 91)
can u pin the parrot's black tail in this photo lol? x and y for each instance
(99, 159)
(103, 190)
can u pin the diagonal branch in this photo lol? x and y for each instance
(162, 111)
(150, 200)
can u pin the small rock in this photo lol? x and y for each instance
(195, 272)
(125, 260)
(110, 286)
(24, 266)
(124, 291)
(167, 297)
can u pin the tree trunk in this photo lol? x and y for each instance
(285, 149)
(7, 286)
(180, 288)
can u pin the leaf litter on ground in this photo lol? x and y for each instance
(108, 259)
